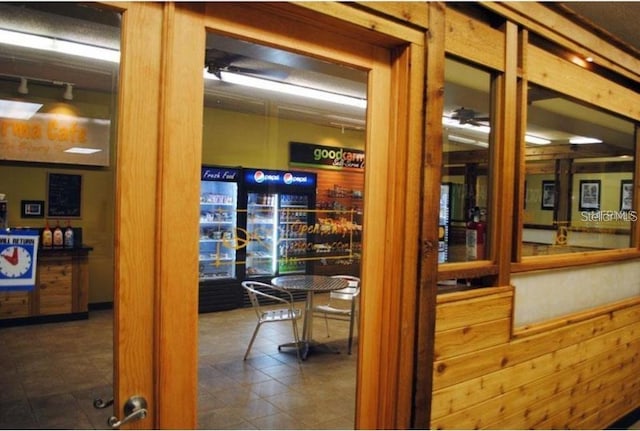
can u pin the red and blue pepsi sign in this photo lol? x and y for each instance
(283, 178)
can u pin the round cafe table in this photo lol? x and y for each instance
(311, 284)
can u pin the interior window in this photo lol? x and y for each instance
(579, 177)
(465, 171)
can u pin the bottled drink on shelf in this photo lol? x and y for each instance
(58, 237)
(68, 236)
(47, 236)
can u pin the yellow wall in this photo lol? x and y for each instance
(533, 212)
(233, 139)
(230, 138)
(609, 199)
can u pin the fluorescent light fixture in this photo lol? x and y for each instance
(18, 110)
(469, 141)
(584, 140)
(280, 87)
(56, 45)
(82, 150)
(461, 139)
(536, 140)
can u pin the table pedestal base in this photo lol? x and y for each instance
(307, 347)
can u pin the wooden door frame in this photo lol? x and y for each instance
(158, 161)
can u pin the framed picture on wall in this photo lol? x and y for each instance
(31, 209)
(548, 195)
(589, 195)
(626, 195)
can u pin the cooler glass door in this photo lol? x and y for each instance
(262, 218)
(218, 222)
(293, 226)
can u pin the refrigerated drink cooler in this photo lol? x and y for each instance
(279, 210)
(218, 247)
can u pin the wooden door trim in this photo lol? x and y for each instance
(135, 207)
(394, 139)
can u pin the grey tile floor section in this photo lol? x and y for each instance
(51, 373)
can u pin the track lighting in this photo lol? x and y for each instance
(22, 88)
(68, 92)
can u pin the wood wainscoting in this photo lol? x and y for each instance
(578, 372)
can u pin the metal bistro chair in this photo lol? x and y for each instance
(330, 311)
(269, 314)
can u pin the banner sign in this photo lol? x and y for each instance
(56, 138)
(18, 260)
(282, 178)
(321, 156)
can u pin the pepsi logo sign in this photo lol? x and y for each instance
(258, 176)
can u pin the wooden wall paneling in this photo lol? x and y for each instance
(472, 337)
(561, 75)
(14, 304)
(431, 162)
(365, 20)
(465, 35)
(80, 287)
(415, 13)
(564, 375)
(555, 398)
(455, 369)
(462, 312)
(54, 286)
(538, 18)
(554, 393)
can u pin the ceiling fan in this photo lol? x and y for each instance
(217, 61)
(468, 116)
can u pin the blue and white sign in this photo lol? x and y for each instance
(18, 260)
(214, 173)
(285, 178)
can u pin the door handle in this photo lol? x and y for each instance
(99, 403)
(134, 409)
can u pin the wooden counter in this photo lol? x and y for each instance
(61, 291)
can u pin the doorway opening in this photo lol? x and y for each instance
(271, 115)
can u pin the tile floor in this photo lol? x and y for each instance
(51, 373)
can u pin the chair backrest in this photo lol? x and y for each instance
(255, 292)
(350, 292)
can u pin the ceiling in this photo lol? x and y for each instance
(81, 21)
(617, 19)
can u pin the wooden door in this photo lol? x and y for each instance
(157, 174)
(157, 185)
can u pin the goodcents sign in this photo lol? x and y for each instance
(324, 156)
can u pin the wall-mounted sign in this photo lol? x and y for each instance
(64, 195)
(216, 173)
(321, 156)
(281, 178)
(55, 138)
(18, 255)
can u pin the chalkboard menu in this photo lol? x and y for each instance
(64, 195)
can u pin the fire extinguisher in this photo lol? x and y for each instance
(476, 236)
